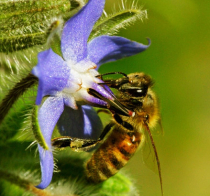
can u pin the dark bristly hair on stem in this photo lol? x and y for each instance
(13, 95)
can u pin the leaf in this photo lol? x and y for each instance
(24, 24)
(112, 23)
(27, 25)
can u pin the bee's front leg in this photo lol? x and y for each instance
(125, 124)
(114, 83)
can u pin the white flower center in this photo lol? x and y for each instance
(82, 77)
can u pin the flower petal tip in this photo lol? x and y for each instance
(77, 30)
(105, 49)
(149, 41)
(42, 186)
(47, 165)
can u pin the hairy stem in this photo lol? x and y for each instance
(20, 87)
(14, 179)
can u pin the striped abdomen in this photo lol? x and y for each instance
(112, 155)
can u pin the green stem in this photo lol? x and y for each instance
(14, 179)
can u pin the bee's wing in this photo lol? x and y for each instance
(150, 155)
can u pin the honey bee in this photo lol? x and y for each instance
(125, 133)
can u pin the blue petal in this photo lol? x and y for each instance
(92, 123)
(83, 123)
(77, 30)
(53, 74)
(104, 49)
(46, 163)
(48, 116)
(105, 92)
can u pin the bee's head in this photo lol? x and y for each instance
(138, 85)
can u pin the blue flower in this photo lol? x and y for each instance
(65, 80)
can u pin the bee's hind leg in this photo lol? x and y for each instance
(79, 144)
(75, 144)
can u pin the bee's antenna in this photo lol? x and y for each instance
(156, 156)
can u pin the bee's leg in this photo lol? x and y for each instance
(61, 142)
(79, 144)
(123, 123)
(109, 73)
(116, 83)
(74, 143)
(106, 130)
(102, 136)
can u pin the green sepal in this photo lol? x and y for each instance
(109, 25)
(36, 129)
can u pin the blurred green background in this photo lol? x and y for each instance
(178, 60)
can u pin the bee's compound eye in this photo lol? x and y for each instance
(140, 92)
